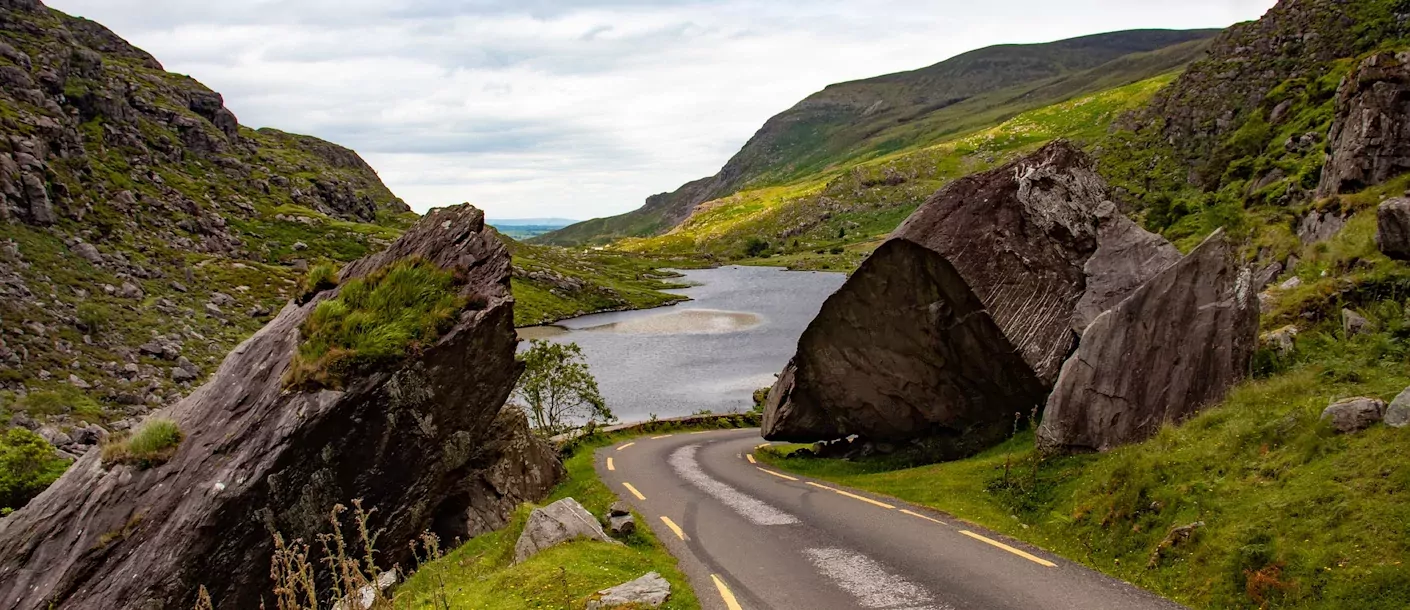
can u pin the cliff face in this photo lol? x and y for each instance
(143, 230)
(422, 440)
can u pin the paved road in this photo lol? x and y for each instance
(754, 538)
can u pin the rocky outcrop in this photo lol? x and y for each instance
(1370, 138)
(1354, 414)
(1398, 413)
(649, 591)
(510, 466)
(549, 526)
(1393, 228)
(1319, 226)
(1174, 346)
(258, 456)
(964, 317)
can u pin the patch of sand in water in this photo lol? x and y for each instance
(685, 322)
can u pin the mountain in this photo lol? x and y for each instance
(872, 117)
(529, 222)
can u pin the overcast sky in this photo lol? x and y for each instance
(579, 108)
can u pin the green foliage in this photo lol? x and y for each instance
(596, 281)
(64, 399)
(320, 277)
(755, 247)
(151, 445)
(27, 466)
(375, 320)
(93, 317)
(557, 389)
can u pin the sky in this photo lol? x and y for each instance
(577, 108)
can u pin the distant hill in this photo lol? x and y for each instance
(525, 228)
(869, 118)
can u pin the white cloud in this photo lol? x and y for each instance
(575, 109)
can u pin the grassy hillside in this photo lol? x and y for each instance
(833, 220)
(852, 122)
(552, 283)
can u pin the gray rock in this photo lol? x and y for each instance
(88, 252)
(1398, 413)
(648, 591)
(213, 310)
(130, 290)
(78, 382)
(299, 246)
(1370, 136)
(89, 434)
(1126, 257)
(552, 525)
(1290, 283)
(1284, 339)
(54, 435)
(1353, 323)
(1319, 226)
(1393, 228)
(1173, 347)
(179, 374)
(618, 509)
(621, 525)
(23, 420)
(1266, 276)
(1354, 414)
(178, 286)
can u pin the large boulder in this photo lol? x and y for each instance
(1354, 414)
(1370, 138)
(1175, 345)
(964, 316)
(511, 466)
(563, 521)
(1393, 228)
(259, 456)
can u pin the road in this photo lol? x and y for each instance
(751, 537)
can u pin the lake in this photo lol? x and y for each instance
(738, 331)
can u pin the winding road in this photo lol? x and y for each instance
(751, 537)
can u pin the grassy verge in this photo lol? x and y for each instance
(479, 573)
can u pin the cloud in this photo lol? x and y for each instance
(572, 108)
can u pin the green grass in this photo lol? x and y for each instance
(1295, 516)
(374, 320)
(479, 573)
(27, 466)
(150, 445)
(588, 281)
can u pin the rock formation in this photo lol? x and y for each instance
(1398, 413)
(1370, 139)
(964, 317)
(548, 526)
(1354, 414)
(1175, 345)
(649, 591)
(1393, 228)
(409, 440)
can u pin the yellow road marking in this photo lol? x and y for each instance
(996, 543)
(781, 476)
(915, 514)
(730, 601)
(675, 528)
(610, 465)
(634, 491)
(702, 432)
(758, 447)
(625, 446)
(751, 458)
(657, 438)
(852, 495)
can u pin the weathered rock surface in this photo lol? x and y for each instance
(1370, 138)
(1353, 323)
(257, 456)
(509, 467)
(1354, 414)
(1319, 226)
(552, 525)
(648, 591)
(1398, 413)
(1175, 345)
(964, 316)
(1393, 228)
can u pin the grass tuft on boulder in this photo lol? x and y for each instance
(375, 320)
(319, 277)
(151, 445)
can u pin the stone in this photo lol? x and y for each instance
(963, 318)
(621, 525)
(365, 598)
(552, 525)
(1398, 413)
(1319, 226)
(1290, 283)
(1283, 340)
(88, 252)
(404, 438)
(299, 246)
(1370, 137)
(180, 375)
(130, 290)
(54, 435)
(78, 382)
(1266, 276)
(213, 310)
(88, 434)
(1173, 347)
(1353, 323)
(1393, 228)
(649, 591)
(178, 286)
(1354, 414)
(619, 509)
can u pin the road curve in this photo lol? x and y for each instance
(750, 539)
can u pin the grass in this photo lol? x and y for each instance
(380, 318)
(552, 283)
(149, 446)
(1293, 515)
(320, 277)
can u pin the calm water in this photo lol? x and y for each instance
(740, 328)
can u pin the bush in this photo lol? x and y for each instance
(836, 250)
(320, 277)
(62, 400)
(755, 247)
(151, 445)
(92, 317)
(557, 389)
(376, 320)
(27, 466)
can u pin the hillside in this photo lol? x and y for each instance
(854, 121)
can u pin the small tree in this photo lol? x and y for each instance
(557, 388)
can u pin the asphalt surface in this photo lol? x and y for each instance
(749, 539)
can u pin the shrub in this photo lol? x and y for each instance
(755, 247)
(836, 250)
(27, 466)
(151, 445)
(376, 320)
(320, 277)
(64, 399)
(92, 317)
(557, 389)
